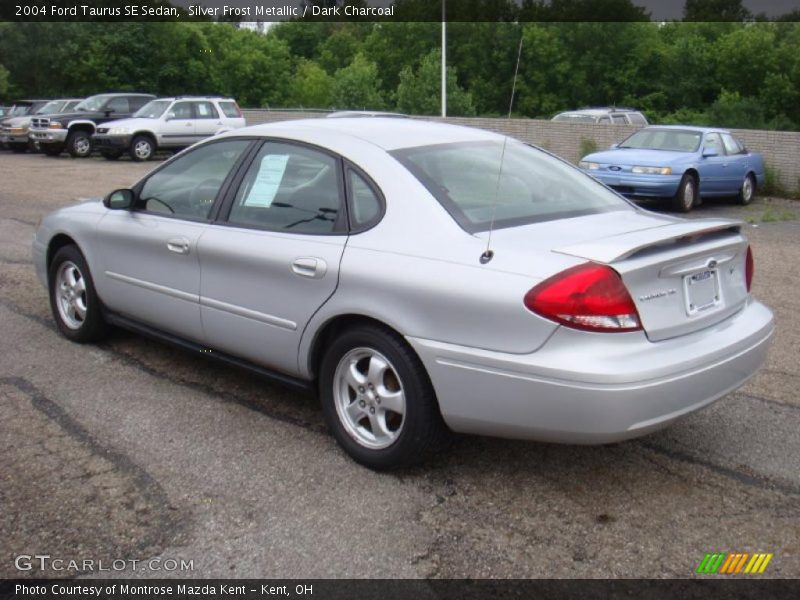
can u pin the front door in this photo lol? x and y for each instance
(151, 267)
(270, 265)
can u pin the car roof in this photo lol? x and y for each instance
(221, 98)
(388, 133)
(689, 128)
(598, 111)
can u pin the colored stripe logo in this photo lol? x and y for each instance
(731, 564)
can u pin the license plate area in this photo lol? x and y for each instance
(702, 291)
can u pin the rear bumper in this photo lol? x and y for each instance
(595, 388)
(628, 184)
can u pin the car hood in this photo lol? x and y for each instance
(636, 156)
(131, 123)
(17, 121)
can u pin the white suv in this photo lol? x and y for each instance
(169, 124)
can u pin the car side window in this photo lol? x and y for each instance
(731, 144)
(619, 119)
(118, 105)
(290, 188)
(604, 120)
(188, 186)
(637, 119)
(180, 110)
(714, 143)
(365, 204)
(137, 102)
(205, 110)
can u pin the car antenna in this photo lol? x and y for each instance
(488, 254)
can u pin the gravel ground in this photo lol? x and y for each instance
(132, 450)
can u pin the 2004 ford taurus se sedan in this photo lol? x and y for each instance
(424, 278)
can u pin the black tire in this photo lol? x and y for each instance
(111, 155)
(51, 149)
(142, 148)
(91, 327)
(19, 148)
(748, 190)
(79, 144)
(422, 430)
(687, 195)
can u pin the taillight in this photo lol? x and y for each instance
(748, 269)
(590, 297)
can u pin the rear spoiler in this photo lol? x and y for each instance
(618, 247)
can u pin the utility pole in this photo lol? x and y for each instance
(444, 59)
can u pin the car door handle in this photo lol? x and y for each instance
(188, 124)
(178, 245)
(313, 268)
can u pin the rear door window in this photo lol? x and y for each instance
(230, 109)
(205, 110)
(290, 188)
(731, 144)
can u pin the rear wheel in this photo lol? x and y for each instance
(79, 144)
(378, 400)
(686, 196)
(73, 300)
(142, 148)
(748, 190)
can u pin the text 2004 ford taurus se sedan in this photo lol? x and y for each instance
(351, 255)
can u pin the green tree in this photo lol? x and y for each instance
(357, 86)
(311, 86)
(3, 81)
(715, 10)
(419, 92)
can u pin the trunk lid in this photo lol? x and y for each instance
(683, 275)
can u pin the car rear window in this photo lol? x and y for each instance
(230, 109)
(466, 178)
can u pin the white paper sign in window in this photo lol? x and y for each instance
(267, 181)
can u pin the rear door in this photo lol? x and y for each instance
(179, 125)
(273, 258)
(207, 119)
(151, 267)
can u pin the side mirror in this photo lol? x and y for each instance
(707, 152)
(119, 199)
(613, 146)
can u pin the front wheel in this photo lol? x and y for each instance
(686, 196)
(73, 300)
(142, 148)
(79, 144)
(748, 190)
(378, 400)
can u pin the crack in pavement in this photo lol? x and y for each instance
(149, 488)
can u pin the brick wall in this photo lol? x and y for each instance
(781, 149)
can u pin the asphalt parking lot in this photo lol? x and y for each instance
(133, 450)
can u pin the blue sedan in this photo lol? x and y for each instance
(681, 163)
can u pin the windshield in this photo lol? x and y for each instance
(675, 140)
(51, 107)
(534, 186)
(92, 103)
(574, 118)
(19, 109)
(153, 109)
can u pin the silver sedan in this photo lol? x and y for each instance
(422, 278)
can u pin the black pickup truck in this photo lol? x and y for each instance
(73, 131)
